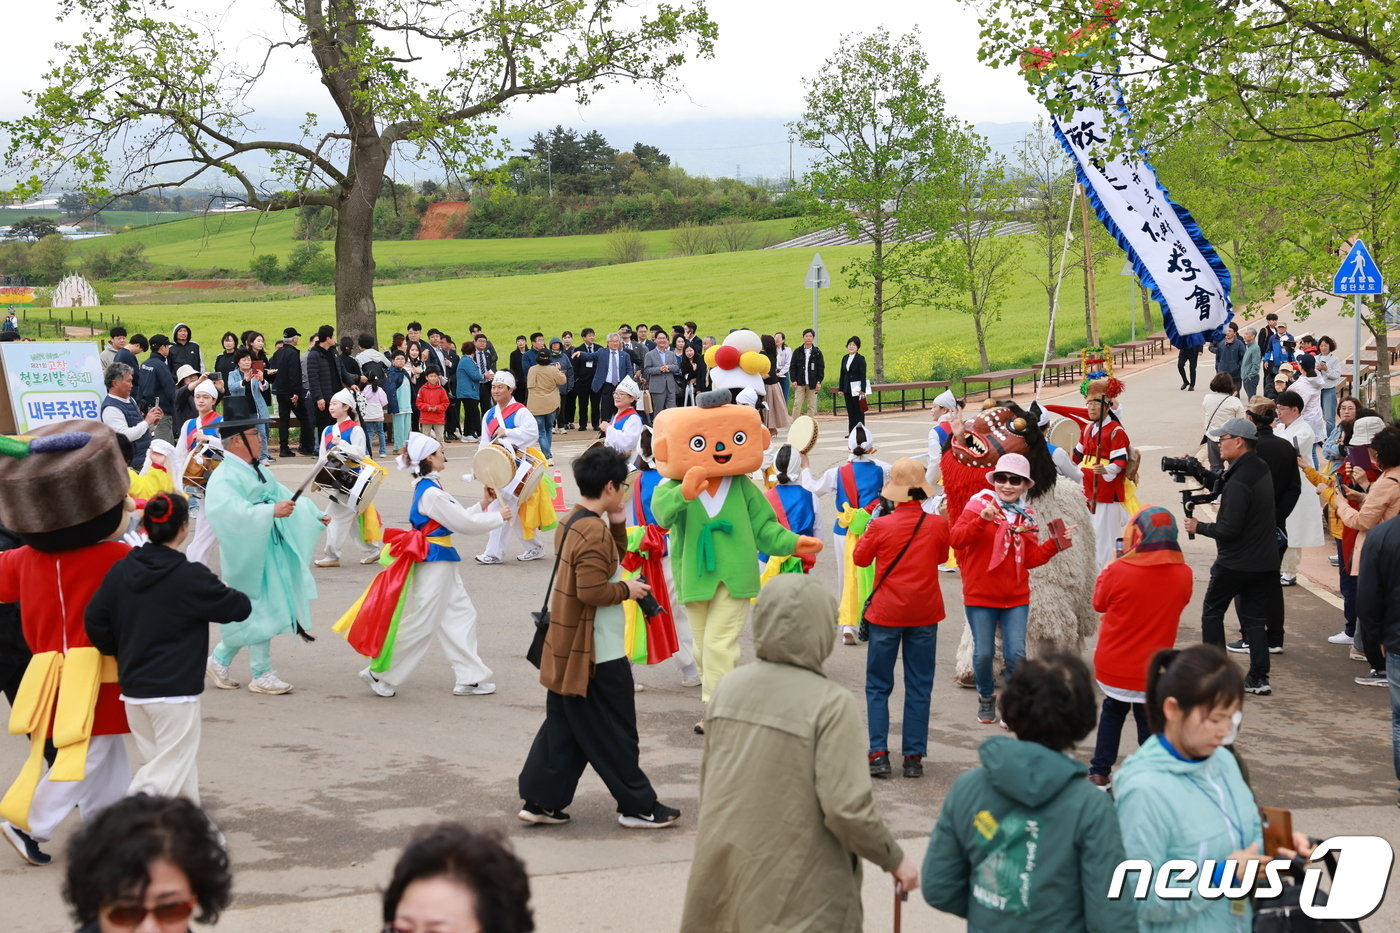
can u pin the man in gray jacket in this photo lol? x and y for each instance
(661, 366)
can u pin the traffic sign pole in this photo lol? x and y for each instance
(817, 279)
(816, 300)
(1356, 347)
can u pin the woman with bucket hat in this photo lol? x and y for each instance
(906, 546)
(997, 543)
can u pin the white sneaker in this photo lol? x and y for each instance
(691, 680)
(269, 684)
(1341, 638)
(638, 686)
(370, 558)
(327, 562)
(379, 687)
(473, 690)
(848, 635)
(1285, 579)
(534, 553)
(948, 568)
(219, 673)
(487, 559)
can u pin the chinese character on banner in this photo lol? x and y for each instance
(1169, 249)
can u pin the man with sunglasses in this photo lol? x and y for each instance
(1246, 562)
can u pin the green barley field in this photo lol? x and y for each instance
(760, 289)
(230, 241)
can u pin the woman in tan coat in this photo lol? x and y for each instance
(543, 382)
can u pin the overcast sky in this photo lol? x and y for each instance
(765, 48)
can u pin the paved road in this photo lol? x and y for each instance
(318, 790)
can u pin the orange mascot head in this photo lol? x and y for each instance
(722, 438)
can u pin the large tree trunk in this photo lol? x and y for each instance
(354, 244)
(1146, 309)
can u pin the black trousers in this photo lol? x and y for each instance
(1251, 591)
(284, 421)
(854, 415)
(599, 730)
(1274, 613)
(590, 406)
(604, 398)
(570, 403)
(1186, 359)
(454, 416)
(309, 425)
(471, 417)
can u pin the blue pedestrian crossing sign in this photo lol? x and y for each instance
(1358, 274)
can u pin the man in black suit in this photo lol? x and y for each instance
(613, 365)
(853, 384)
(485, 359)
(590, 402)
(808, 369)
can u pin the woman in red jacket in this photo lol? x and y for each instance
(997, 543)
(1141, 595)
(906, 546)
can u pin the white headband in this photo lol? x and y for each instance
(503, 378)
(344, 397)
(417, 449)
(946, 400)
(629, 385)
(206, 388)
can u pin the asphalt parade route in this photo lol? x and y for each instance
(318, 791)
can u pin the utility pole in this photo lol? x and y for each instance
(1090, 297)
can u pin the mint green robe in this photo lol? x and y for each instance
(267, 558)
(706, 552)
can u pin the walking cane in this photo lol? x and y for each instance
(900, 896)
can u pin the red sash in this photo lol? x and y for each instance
(661, 629)
(494, 422)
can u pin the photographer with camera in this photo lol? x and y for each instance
(1247, 557)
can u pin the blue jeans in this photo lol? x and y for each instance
(1115, 713)
(1329, 408)
(984, 621)
(920, 647)
(374, 435)
(546, 425)
(1392, 670)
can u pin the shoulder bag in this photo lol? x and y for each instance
(535, 652)
(864, 631)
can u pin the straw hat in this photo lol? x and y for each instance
(907, 475)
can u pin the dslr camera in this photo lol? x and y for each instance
(1182, 467)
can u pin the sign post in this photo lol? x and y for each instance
(817, 278)
(1358, 275)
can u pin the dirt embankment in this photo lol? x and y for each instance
(444, 219)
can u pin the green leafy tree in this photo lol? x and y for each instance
(48, 259)
(1046, 179)
(33, 228)
(881, 140)
(969, 268)
(145, 101)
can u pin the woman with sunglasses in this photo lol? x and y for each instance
(146, 865)
(997, 543)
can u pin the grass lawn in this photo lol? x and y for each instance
(758, 289)
(230, 241)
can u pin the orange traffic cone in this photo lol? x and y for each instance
(559, 505)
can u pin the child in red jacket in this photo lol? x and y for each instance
(997, 545)
(432, 406)
(1141, 596)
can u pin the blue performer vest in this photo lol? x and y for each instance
(870, 479)
(801, 508)
(428, 526)
(639, 510)
(328, 435)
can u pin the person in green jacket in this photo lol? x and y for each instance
(1025, 842)
(1182, 795)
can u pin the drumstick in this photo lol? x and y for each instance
(310, 477)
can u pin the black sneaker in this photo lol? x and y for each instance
(660, 817)
(286, 453)
(25, 845)
(1239, 647)
(1373, 679)
(1259, 686)
(534, 813)
(913, 766)
(986, 709)
(880, 764)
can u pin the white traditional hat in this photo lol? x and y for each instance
(860, 438)
(206, 387)
(629, 385)
(503, 378)
(946, 399)
(164, 448)
(416, 449)
(344, 397)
